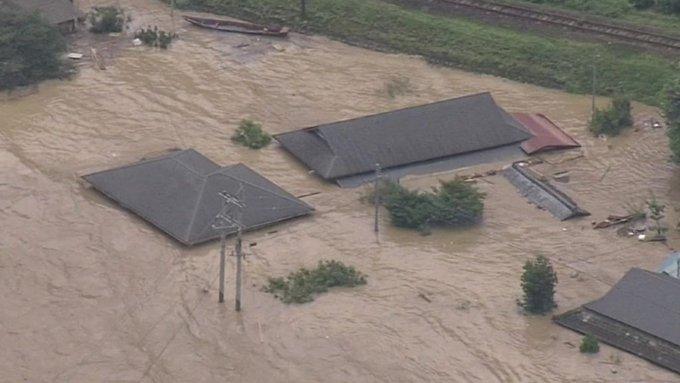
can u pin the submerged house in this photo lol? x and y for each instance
(440, 136)
(181, 193)
(640, 315)
(60, 13)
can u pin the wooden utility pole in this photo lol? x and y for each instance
(172, 15)
(303, 8)
(224, 222)
(239, 249)
(376, 198)
(223, 261)
(594, 86)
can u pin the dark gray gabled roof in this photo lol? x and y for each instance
(406, 136)
(55, 11)
(646, 301)
(179, 194)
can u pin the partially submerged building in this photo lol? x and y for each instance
(546, 134)
(542, 193)
(440, 136)
(182, 193)
(60, 13)
(640, 315)
(671, 265)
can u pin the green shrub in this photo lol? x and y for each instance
(670, 101)
(302, 285)
(613, 120)
(538, 283)
(669, 6)
(453, 203)
(642, 4)
(589, 345)
(30, 49)
(106, 20)
(250, 134)
(155, 37)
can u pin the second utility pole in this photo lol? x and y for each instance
(376, 198)
(239, 253)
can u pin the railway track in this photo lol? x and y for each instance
(620, 32)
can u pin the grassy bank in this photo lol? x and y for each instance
(549, 62)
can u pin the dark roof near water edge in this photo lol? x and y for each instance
(406, 136)
(55, 11)
(644, 300)
(179, 194)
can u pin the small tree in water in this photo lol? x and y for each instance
(250, 134)
(613, 120)
(656, 210)
(538, 282)
(589, 345)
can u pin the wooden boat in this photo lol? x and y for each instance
(237, 26)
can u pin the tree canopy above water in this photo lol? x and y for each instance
(30, 49)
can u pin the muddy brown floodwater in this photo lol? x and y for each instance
(90, 293)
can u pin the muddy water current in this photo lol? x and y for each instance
(89, 292)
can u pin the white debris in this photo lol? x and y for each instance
(75, 56)
(136, 42)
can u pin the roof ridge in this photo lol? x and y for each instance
(198, 204)
(218, 172)
(319, 126)
(143, 161)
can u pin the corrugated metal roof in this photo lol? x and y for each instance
(405, 136)
(55, 11)
(644, 300)
(542, 193)
(547, 135)
(178, 193)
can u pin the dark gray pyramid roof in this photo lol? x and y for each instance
(405, 136)
(55, 11)
(179, 194)
(646, 301)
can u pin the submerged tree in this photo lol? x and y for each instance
(30, 49)
(613, 120)
(454, 203)
(656, 210)
(250, 134)
(538, 283)
(670, 101)
(589, 345)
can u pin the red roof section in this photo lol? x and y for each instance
(547, 135)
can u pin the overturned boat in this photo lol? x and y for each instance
(237, 26)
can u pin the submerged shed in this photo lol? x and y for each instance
(671, 265)
(473, 128)
(61, 13)
(640, 314)
(180, 194)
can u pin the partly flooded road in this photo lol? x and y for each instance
(91, 293)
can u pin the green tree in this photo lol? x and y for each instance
(670, 6)
(613, 120)
(670, 101)
(454, 203)
(589, 345)
(538, 283)
(30, 49)
(106, 20)
(250, 134)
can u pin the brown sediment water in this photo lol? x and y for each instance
(90, 293)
